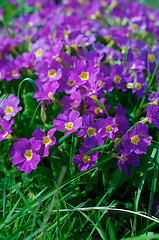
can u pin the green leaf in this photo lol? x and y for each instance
(44, 177)
(30, 103)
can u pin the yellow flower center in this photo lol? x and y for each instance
(117, 140)
(123, 160)
(50, 94)
(151, 57)
(71, 83)
(100, 84)
(135, 140)
(38, 5)
(86, 159)
(111, 43)
(109, 128)
(27, 38)
(66, 33)
(58, 59)
(83, 2)
(137, 86)
(51, 73)
(69, 126)
(14, 74)
(9, 136)
(47, 140)
(91, 131)
(151, 17)
(97, 110)
(38, 52)
(135, 26)
(28, 154)
(30, 24)
(104, 3)
(5, 135)
(8, 110)
(75, 47)
(84, 76)
(117, 79)
(123, 49)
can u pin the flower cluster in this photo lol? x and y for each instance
(68, 50)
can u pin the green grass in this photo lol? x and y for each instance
(56, 201)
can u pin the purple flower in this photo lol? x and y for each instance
(24, 154)
(109, 128)
(86, 161)
(10, 107)
(155, 208)
(12, 70)
(69, 120)
(153, 115)
(121, 121)
(46, 91)
(6, 129)
(92, 131)
(154, 97)
(48, 71)
(126, 160)
(140, 85)
(45, 140)
(83, 72)
(118, 77)
(133, 141)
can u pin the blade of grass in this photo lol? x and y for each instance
(53, 31)
(154, 182)
(140, 190)
(126, 53)
(4, 198)
(24, 80)
(99, 230)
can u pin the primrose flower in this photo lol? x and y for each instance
(48, 72)
(153, 115)
(126, 160)
(134, 141)
(140, 85)
(45, 140)
(24, 154)
(92, 131)
(5, 129)
(83, 72)
(155, 208)
(12, 70)
(153, 97)
(109, 128)
(46, 91)
(118, 77)
(121, 121)
(69, 121)
(85, 161)
(10, 107)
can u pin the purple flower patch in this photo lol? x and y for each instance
(134, 141)
(24, 154)
(69, 121)
(85, 161)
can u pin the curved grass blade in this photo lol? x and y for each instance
(24, 80)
